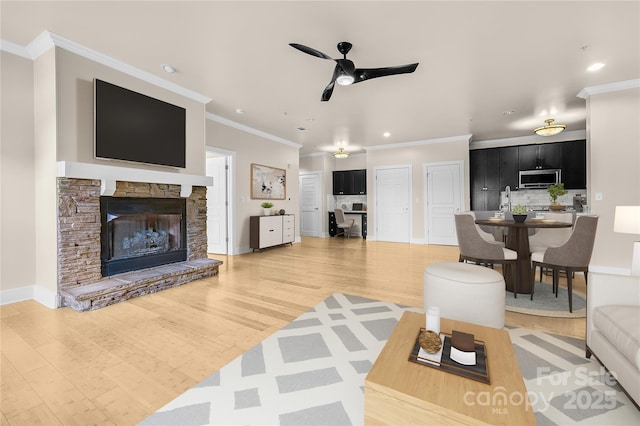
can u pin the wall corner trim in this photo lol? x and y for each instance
(606, 88)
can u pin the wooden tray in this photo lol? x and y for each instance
(479, 372)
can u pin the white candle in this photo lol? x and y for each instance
(433, 319)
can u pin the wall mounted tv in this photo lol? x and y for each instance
(131, 126)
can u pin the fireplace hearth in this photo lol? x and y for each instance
(139, 233)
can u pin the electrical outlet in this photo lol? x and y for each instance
(599, 196)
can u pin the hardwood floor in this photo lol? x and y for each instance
(119, 364)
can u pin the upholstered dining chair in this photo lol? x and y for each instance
(545, 237)
(342, 223)
(487, 236)
(474, 248)
(573, 256)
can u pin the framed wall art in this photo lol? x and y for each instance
(268, 183)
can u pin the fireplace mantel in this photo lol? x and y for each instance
(108, 176)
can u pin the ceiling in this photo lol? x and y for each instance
(487, 68)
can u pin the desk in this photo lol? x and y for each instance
(518, 240)
(398, 392)
(333, 229)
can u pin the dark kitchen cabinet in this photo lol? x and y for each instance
(574, 164)
(508, 167)
(540, 156)
(484, 165)
(350, 182)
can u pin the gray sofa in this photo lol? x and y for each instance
(613, 328)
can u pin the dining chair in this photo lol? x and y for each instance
(474, 248)
(573, 256)
(546, 237)
(345, 224)
(487, 236)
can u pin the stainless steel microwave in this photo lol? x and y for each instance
(542, 178)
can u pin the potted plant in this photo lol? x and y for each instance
(556, 191)
(519, 213)
(266, 208)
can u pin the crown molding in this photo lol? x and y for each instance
(606, 88)
(16, 49)
(222, 120)
(461, 138)
(571, 135)
(47, 40)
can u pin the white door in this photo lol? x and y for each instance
(217, 206)
(310, 190)
(393, 197)
(444, 197)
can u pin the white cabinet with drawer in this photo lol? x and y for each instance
(268, 231)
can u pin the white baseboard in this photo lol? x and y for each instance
(31, 292)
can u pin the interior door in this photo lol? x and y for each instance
(393, 196)
(444, 197)
(217, 206)
(310, 190)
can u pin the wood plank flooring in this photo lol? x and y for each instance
(119, 364)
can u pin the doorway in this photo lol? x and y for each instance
(219, 208)
(310, 203)
(393, 202)
(444, 195)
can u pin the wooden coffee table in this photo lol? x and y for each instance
(398, 391)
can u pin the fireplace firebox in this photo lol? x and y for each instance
(139, 233)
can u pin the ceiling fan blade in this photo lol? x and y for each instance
(310, 51)
(328, 91)
(362, 74)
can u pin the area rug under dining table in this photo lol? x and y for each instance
(312, 371)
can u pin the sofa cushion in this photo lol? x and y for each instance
(619, 324)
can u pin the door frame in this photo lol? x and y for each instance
(318, 175)
(231, 196)
(425, 177)
(409, 168)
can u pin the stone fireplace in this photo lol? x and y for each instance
(141, 238)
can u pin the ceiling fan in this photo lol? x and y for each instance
(346, 73)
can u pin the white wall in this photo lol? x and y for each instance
(613, 138)
(250, 148)
(17, 176)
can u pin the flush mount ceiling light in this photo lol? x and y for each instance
(595, 67)
(341, 154)
(168, 68)
(549, 129)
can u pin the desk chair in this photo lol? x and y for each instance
(344, 224)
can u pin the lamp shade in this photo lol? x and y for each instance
(627, 220)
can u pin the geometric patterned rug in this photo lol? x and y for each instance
(312, 371)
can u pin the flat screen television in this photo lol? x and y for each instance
(131, 126)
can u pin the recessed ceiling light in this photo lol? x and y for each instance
(510, 112)
(386, 134)
(239, 111)
(168, 68)
(595, 67)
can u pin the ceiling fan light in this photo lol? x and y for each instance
(344, 80)
(549, 129)
(341, 154)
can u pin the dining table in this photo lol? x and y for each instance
(518, 240)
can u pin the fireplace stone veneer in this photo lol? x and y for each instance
(80, 281)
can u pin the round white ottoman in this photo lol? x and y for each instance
(465, 292)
